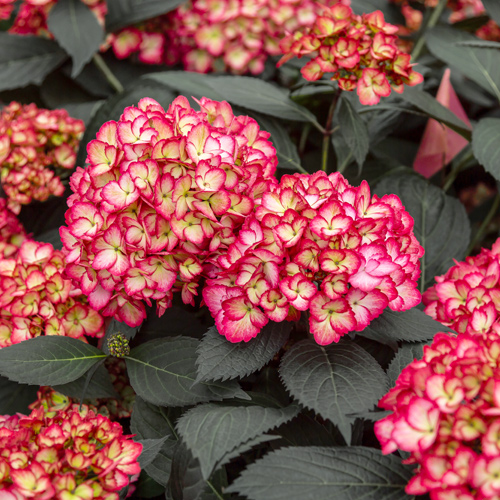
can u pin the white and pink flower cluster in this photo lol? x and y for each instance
(316, 244)
(467, 297)
(165, 193)
(36, 145)
(207, 35)
(12, 232)
(36, 298)
(446, 413)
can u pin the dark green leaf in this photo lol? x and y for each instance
(147, 487)
(486, 146)
(148, 422)
(150, 450)
(405, 355)
(478, 64)
(211, 431)
(485, 44)
(15, 398)
(287, 152)
(126, 12)
(434, 109)
(113, 108)
(163, 372)
(493, 9)
(100, 386)
(219, 359)
(49, 360)
(187, 83)
(297, 473)
(26, 59)
(260, 96)
(76, 29)
(441, 223)
(354, 131)
(409, 326)
(333, 380)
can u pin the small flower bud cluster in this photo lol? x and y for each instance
(52, 401)
(446, 414)
(68, 455)
(207, 35)
(467, 297)
(360, 51)
(36, 298)
(316, 244)
(118, 345)
(12, 232)
(164, 191)
(35, 146)
(31, 18)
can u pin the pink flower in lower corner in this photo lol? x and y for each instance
(316, 244)
(445, 411)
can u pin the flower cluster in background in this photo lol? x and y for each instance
(207, 35)
(65, 454)
(114, 408)
(12, 232)
(317, 244)
(31, 19)
(467, 297)
(36, 298)
(163, 191)
(446, 413)
(360, 51)
(35, 145)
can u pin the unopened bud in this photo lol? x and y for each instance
(118, 345)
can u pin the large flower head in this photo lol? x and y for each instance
(359, 51)
(208, 35)
(467, 297)
(12, 232)
(36, 146)
(65, 454)
(164, 191)
(316, 244)
(37, 299)
(446, 414)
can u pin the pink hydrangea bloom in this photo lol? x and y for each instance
(12, 232)
(446, 414)
(467, 297)
(164, 194)
(36, 298)
(65, 455)
(207, 35)
(36, 145)
(360, 51)
(316, 244)
(31, 18)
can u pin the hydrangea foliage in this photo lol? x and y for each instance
(316, 244)
(35, 145)
(164, 192)
(467, 297)
(66, 455)
(360, 51)
(37, 299)
(445, 412)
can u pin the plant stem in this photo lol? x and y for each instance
(328, 130)
(216, 493)
(303, 138)
(485, 224)
(104, 69)
(433, 19)
(448, 182)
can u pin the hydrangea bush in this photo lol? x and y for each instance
(234, 264)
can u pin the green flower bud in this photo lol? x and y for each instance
(118, 345)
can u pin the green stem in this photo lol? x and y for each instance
(448, 182)
(328, 130)
(485, 224)
(104, 69)
(432, 21)
(216, 493)
(303, 138)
